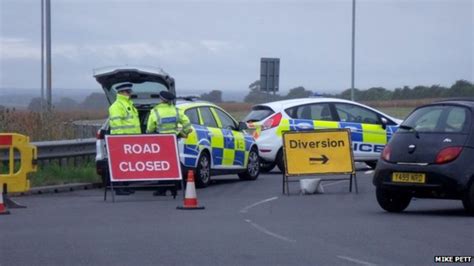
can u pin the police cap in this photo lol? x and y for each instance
(124, 87)
(167, 96)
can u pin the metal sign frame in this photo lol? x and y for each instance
(169, 182)
(352, 174)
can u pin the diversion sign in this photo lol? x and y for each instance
(326, 151)
(143, 157)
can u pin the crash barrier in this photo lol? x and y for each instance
(190, 201)
(321, 152)
(142, 158)
(77, 151)
(63, 152)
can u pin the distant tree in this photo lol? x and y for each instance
(95, 101)
(298, 92)
(66, 104)
(214, 96)
(346, 94)
(35, 104)
(257, 96)
(461, 88)
(375, 94)
(255, 86)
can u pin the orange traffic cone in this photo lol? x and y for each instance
(190, 198)
(3, 208)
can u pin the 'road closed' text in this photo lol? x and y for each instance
(144, 166)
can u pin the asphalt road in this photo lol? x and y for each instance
(244, 223)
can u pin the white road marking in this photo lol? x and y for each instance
(334, 183)
(368, 172)
(265, 231)
(244, 210)
(361, 262)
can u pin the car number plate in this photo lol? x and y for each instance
(408, 177)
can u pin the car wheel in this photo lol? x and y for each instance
(253, 166)
(279, 161)
(266, 167)
(371, 164)
(392, 201)
(468, 200)
(203, 171)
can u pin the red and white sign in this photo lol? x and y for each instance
(143, 157)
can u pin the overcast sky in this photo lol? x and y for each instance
(209, 45)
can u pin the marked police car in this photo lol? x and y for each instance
(370, 129)
(217, 145)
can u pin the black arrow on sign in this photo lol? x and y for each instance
(323, 159)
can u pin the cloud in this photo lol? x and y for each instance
(178, 51)
(18, 48)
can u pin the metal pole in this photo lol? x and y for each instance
(48, 54)
(353, 48)
(42, 56)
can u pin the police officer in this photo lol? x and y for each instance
(123, 119)
(166, 118)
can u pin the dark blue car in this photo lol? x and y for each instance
(430, 156)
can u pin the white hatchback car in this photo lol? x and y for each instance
(370, 129)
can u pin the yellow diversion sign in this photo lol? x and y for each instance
(325, 151)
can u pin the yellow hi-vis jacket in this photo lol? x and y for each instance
(123, 117)
(168, 119)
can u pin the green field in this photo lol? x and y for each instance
(53, 174)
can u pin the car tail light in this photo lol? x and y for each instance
(387, 151)
(100, 134)
(272, 121)
(448, 154)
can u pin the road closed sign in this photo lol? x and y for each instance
(325, 151)
(143, 157)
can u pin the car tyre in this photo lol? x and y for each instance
(392, 201)
(280, 161)
(266, 167)
(253, 166)
(203, 171)
(468, 200)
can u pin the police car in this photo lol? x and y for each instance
(370, 129)
(217, 145)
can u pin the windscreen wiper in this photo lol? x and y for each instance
(417, 135)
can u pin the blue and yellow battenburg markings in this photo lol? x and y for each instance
(231, 150)
(365, 137)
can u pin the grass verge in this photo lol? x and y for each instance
(53, 174)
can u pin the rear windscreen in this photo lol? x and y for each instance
(258, 113)
(439, 118)
(148, 87)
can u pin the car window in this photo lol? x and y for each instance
(207, 117)
(193, 116)
(456, 119)
(144, 87)
(318, 111)
(438, 119)
(258, 113)
(356, 114)
(226, 121)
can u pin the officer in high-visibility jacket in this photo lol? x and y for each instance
(123, 116)
(166, 118)
(123, 119)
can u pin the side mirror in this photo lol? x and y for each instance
(384, 122)
(242, 126)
